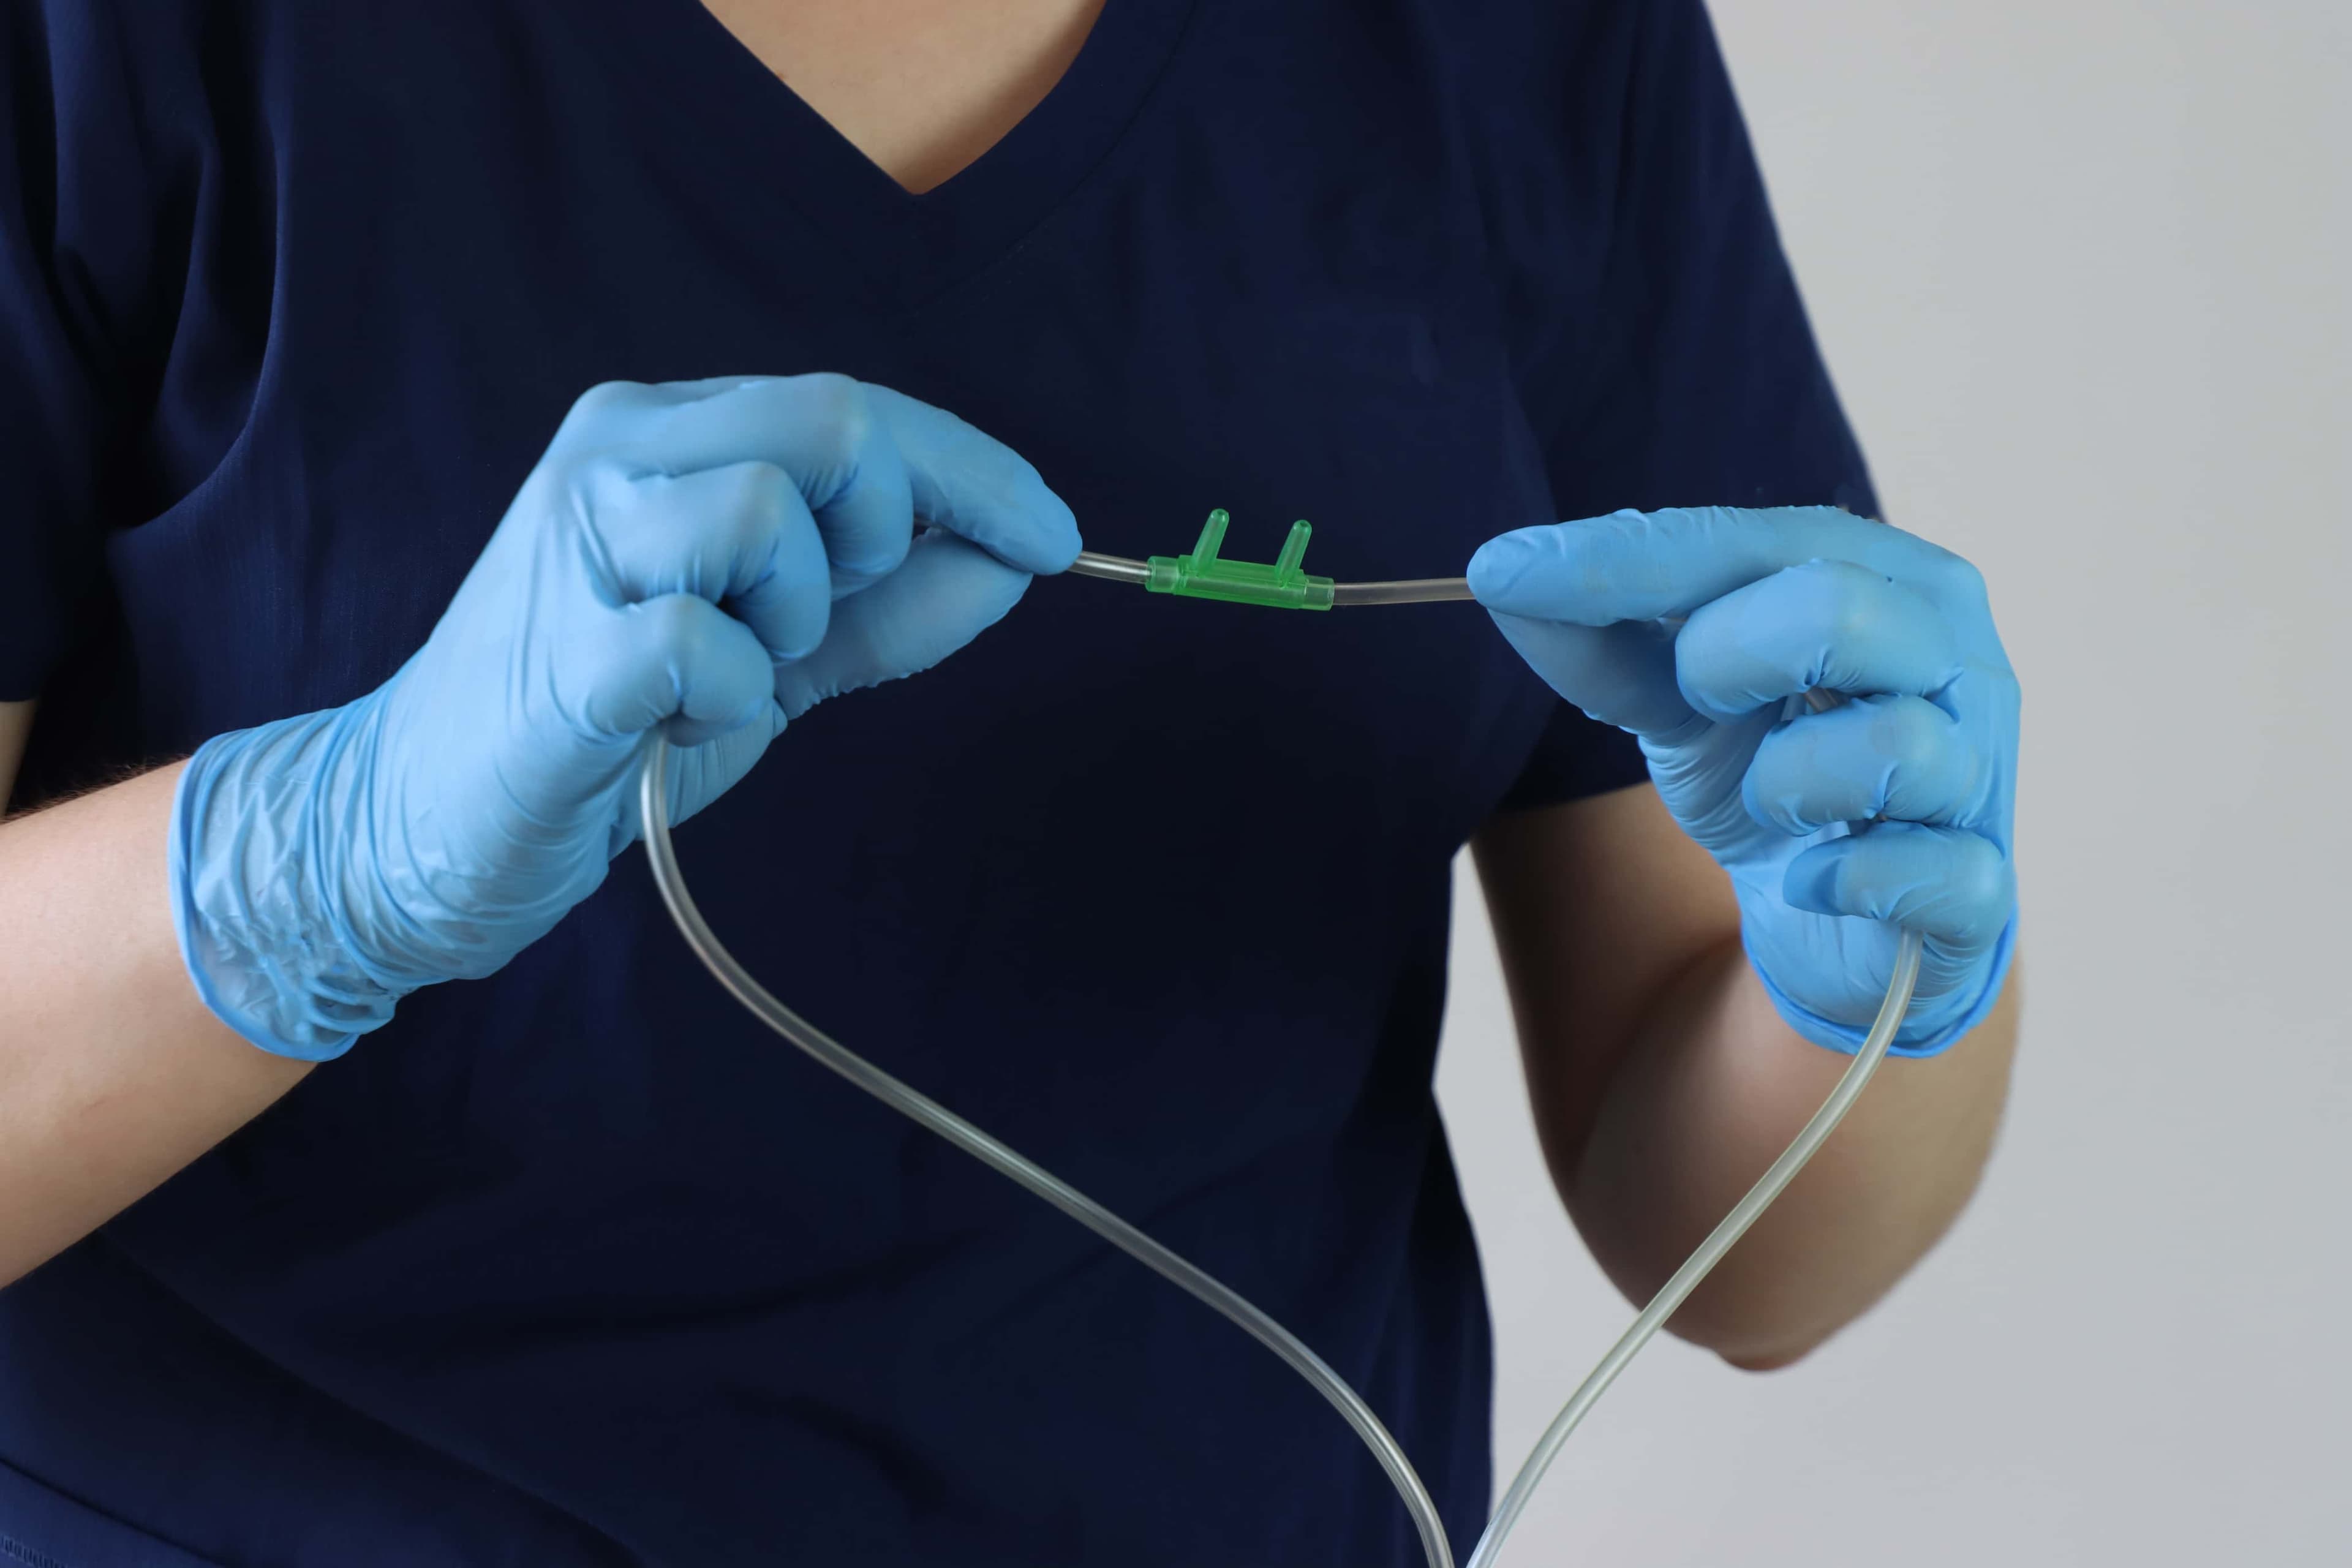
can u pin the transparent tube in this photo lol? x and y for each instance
(654, 805)
(1411, 590)
(1111, 568)
(1710, 1252)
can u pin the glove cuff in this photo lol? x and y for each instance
(252, 856)
(1918, 1037)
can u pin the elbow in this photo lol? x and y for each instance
(1761, 1324)
(1759, 1339)
(1770, 1359)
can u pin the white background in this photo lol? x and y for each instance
(2082, 269)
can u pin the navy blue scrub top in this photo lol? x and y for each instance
(578, 1265)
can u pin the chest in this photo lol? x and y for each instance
(1178, 284)
(1175, 856)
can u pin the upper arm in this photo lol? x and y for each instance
(15, 724)
(1597, 906)
(1678, 368)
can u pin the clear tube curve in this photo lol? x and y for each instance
(1710, 1252)
(654, 804)
(653, 808)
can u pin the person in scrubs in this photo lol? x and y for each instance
(406, 410)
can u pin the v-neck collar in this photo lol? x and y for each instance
(750, 135)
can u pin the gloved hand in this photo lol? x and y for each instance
(1788, 800)
(711, 558)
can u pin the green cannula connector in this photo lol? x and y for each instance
(1203, 574)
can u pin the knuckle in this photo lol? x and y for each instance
(1910, 732)
(593, 407)
(757, 506)
(1983, 882)
(1954, 577)
(1852, 597)
(599, 489)
(837, 403)
(1835, 600)
(675, 627)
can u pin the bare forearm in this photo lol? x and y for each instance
(1712, 1088)
(112, 1073)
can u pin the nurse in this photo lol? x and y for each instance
(405, 411)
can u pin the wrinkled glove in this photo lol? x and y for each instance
(1836, 826)
(708, 558)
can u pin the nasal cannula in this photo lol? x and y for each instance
(1205, 575)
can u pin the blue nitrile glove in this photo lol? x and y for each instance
(711, 558)
(1778, 603)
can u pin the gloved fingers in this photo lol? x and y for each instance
(865, 459)
(822, 429)
(678, 660)
(741, 535)
(1902, 758)
(1827, 624)
(1951, 886)
(946, 593)
(976, 487)
(1622, 675)
(1644, 566)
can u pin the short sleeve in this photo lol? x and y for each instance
(1663, 350)
(1573, 758)
(1673, 364)
(77, 254)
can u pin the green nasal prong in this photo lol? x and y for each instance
(1213, 534)
(1294, 551)
(1203, 574)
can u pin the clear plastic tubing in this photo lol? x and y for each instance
(654, 805)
